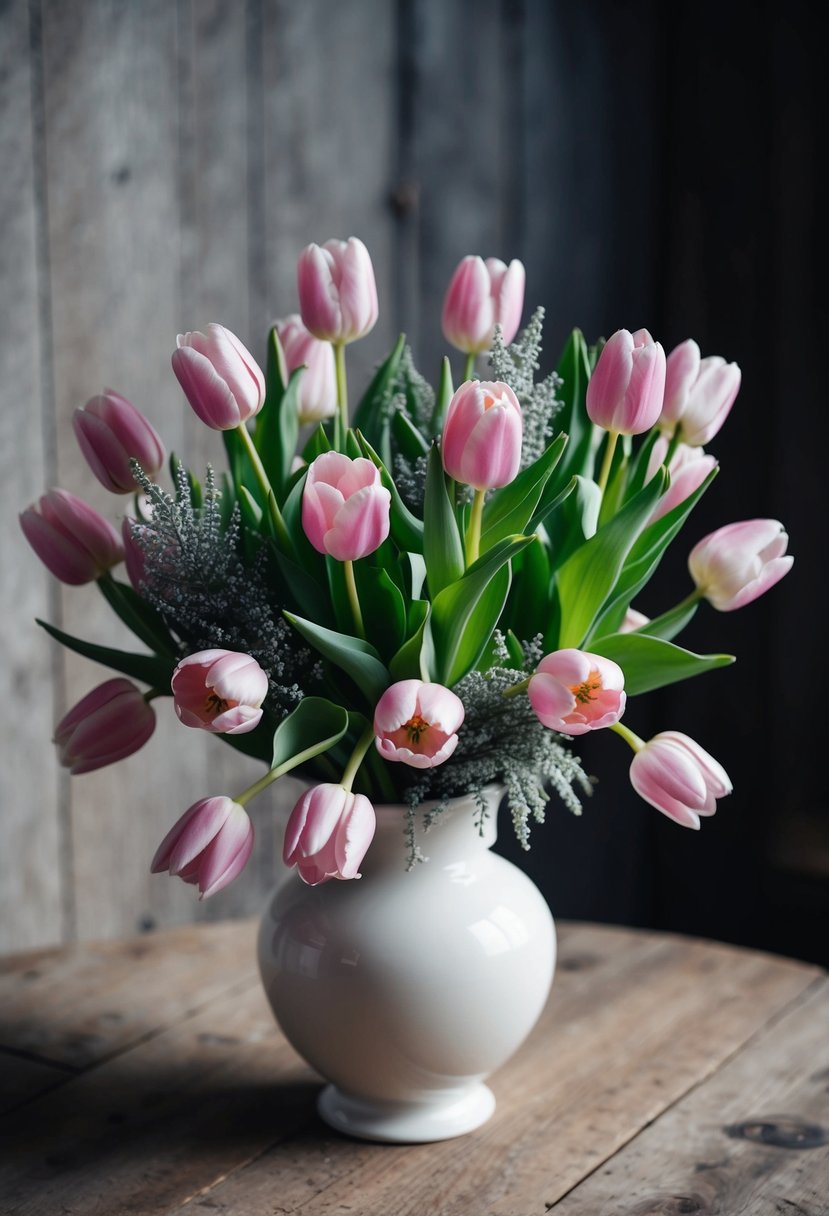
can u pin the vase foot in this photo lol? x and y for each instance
(406, 1122)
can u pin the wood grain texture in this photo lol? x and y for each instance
(213, 1111)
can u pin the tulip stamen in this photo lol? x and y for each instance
(215, 705)
(416, 726)
(588, 689)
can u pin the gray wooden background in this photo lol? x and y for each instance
(164, 161)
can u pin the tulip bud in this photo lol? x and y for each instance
(220, 378)
(679, 778)
(337, 291)
(317, 390)
(220, 691)
(633, 620)
(699, 394)
(74, 542)
(110, 431)
(416, 722)
(328, 834)
(573, 691)
(345, 508)
(681, 370)
(689, 468)
(482, 435)
(480, 296)
(626, 389)
(210, 845)
(737, 563)
(109, 723)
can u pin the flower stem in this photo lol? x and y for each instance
(612, 439)
(259, 785)
(515, 689)
(469, 366)
(366, 739)
(152, 693)
(354, 599)
(473, 532)
(673, 444)
(629, 737)
(342, 389)
(256, 463)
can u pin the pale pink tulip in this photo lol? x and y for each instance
(482, 435)
(699, 394)
(337, 291)
(110, 431)
(417, 723)
(210, 844)
(345, 508)
(109, 723)
(679, 778)
(328, 834)
(481, 295)
(220, 691)
(633, 620)
(75, 543)
(220, 377)
(317, 390)
(689, 468)
(625, 391)
(737, 563)
(573, 691)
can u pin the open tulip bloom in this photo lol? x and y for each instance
(413, 595)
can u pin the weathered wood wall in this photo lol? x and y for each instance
(163, 163)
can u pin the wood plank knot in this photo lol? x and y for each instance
(781, 1131)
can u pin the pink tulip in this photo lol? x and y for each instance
(679, 778)
(482, 435)
(417, 723)
(220, 378)
(625, 391)
(573, 691)
(110, 430)
(633, 620)
(737, 563)
(134, 556)
(328, 834)
(699, 393)
(210, 844)
(317, 391)
(74, 542)
(337, 291)
(220, 691)
(345, 508)
(689, 468)
(481, 295)
(109, 723)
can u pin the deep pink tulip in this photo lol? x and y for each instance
(679, 778)
(337, 291)
(633, 620)
(345, 508)
(109, 723)
(328, 834)
(481, 295)
(317, 391)
(110, 430)
(134, 557)
(699, 394)
(737, 563)
(482, 435)
(573, 691)
(220, 377)
(220, 691)
(75, 543)
(626, 389)
(210, 844)
(417, 723)
(689, 468)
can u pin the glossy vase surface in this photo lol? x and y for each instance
(406, 988)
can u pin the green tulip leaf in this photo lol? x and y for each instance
(356, 658)
(650, 663)
(406, 528)
(509, 510)
(313, 727)
(155, 670)
(442, 544)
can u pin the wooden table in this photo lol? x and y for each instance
(667, 1075)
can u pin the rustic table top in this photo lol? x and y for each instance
(667, 1075)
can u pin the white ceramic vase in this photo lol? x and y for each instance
(406, 989)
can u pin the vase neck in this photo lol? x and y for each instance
(456, 832)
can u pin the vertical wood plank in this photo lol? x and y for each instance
(30, 870)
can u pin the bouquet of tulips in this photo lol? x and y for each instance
(413, 599)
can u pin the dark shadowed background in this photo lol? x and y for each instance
(653, 165)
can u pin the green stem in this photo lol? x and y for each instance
(256, 463)
(673, 444)
(354, 599)
(612, 439)
(469, 366)
(366, 740)
(152, 693)
(262, 784)
(515, 689)
(473, 532)
(342, 389)
(629, 737)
